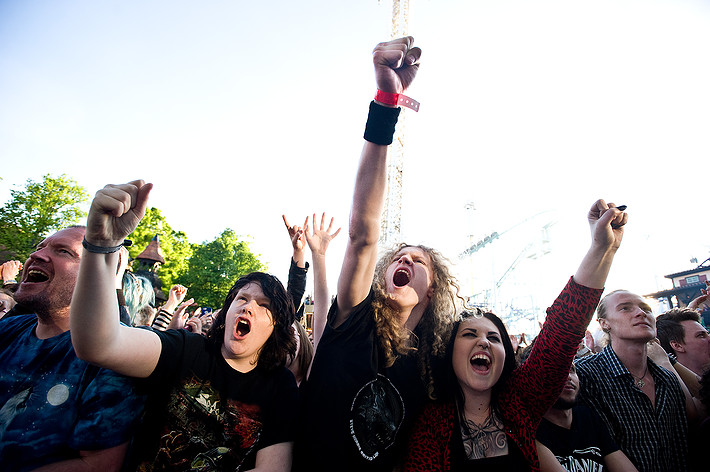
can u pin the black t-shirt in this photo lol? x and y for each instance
(584, 445)
(204, 415)
(356, 413)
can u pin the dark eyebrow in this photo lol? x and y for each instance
(476, 331)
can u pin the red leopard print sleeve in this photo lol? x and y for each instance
(530, 391)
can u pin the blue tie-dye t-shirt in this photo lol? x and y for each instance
(53, 404)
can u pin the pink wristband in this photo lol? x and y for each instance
(396, 99)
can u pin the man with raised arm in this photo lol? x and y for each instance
(58, 412)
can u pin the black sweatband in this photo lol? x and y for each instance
(380, 125)
(100, 249)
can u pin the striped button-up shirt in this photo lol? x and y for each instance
(654, 438)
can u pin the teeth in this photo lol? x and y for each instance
(401, 278)
(480, 357)
(243, 327)
(36, 276)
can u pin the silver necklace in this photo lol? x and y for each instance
(639, 381)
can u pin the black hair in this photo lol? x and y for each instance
(453, 389)
(668, 327)
(281, 343)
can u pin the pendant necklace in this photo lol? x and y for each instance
(639, 382)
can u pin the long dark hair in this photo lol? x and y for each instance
(281, 343)
(453, 390)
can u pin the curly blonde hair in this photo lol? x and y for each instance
(434, 328)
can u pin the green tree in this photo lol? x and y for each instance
(37, 210)
(215, 266)
(174, 245)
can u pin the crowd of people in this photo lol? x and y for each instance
(391, 374)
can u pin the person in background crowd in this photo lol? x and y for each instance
(7, 301)
(298, 270)
(9, 271)
(176, 295)
(572, 437)
(682, 335)
(319, 238)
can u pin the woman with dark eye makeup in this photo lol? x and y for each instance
(489, 415)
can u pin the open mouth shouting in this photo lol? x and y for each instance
(480, 363)
(35, 276)
(401, 278)
(242, 328)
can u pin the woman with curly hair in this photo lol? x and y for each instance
(375, 364)
(224, 401)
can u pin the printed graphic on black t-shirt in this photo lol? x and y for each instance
(206, 433)
(586, 460)
(376, 415)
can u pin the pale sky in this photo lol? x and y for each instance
(241, 111)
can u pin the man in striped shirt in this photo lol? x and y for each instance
(643, 403)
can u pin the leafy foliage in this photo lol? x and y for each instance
(174, 245)
(39, 209)
(208, 270)
(215, 266)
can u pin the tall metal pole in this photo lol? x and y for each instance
(390, 231)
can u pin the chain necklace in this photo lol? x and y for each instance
(484, 440)
(639, 381)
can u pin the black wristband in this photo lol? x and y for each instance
(99, 249)
(380, 125)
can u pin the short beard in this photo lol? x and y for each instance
(38, 304)
(41, 304)
(562, 404)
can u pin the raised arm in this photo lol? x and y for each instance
(296, 286)
(318, 241)
(96, 334)
(9, 271)
(567, 318)
(396, 64)
(606, 223)
(703, 298)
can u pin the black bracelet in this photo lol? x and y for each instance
(99, 249)
(380, 125)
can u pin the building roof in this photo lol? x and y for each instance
(152, 252)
